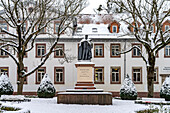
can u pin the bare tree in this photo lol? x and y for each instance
(151, 14)
(38, 14)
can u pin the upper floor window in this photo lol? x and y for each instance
(4, 70)
(59, 75)
(115, 76)
(2, 53)
(40, 50)
(57, 27)
(30, 9)
(152, 28)
(40, 74)
(25, 27)
(114, 28)
(137, 75)
(94, 30)
(167, 51)
(98, 50)
(99, 75)
(59, 52)
(114, 49)
(3, 25)
(136, 52)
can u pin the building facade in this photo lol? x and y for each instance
(110, 68)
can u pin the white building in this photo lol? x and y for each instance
(110, 68)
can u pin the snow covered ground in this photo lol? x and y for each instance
(41, 105)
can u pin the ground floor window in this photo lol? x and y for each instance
(59, 75)
(99, 75)
(115, 76)
(4, 70)
(156, 76)
(137, 75)
(40, 74)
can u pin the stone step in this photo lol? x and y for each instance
(84, 87)
(84, 84)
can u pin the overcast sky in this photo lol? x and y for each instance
(93, 4)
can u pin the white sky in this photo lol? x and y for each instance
(93, 4)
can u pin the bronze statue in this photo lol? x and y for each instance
(84, 51)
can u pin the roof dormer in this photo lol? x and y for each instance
(132, 29)
(94, 30)
(114, 27)
(166, 25)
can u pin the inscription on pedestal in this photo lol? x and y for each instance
(84, 74)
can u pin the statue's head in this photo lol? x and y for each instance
(86, 37)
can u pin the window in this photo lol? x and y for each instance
(166, 27)
(156, 75)
(94, 30)
(59, 51)
(136, 52)
(41, 26)
(79, 30)
(30, 9)
(99, 75)
(114, 29)
(56, 27)
(115, 76)
(40, 50)
(2, 53)
(25, 27)
(152, 28)
(114, 49)
(59, 75)
(4, 70)
(40, 74)
(137, 75)
(99, 50)
(167, 51)
(3, 25)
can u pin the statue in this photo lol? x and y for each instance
(84, 51)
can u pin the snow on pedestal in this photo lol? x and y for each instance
(5, 85)
(128, 90)
(46, 88)
(165, 89)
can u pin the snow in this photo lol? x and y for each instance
(41, 105)
(12, 97)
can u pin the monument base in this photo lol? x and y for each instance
(95, 98)
(84, 85)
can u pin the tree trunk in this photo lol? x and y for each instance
(20, 85)
(150, 75)
(20, 72)
(150, 80)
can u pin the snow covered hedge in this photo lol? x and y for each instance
(128, 90)
(46, 88)
(165, 89)
(5, 85)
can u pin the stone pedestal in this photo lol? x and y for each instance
(85, 78)
(84, 91)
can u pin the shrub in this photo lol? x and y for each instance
(46, 88)
(5, 85)
(165, 89)
(128, 90)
